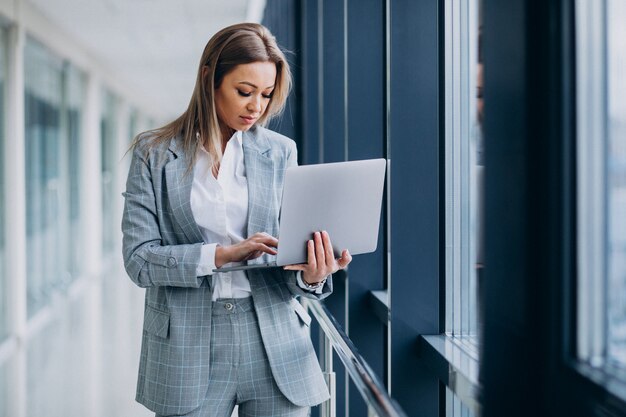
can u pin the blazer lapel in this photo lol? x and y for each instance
(260, 175)
(178, 183)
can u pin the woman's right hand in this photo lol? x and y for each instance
(251, 248)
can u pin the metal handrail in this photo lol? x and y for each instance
(372, 390)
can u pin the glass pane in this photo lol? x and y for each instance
(74, 102)
(45, 166)
(616, 178)
(464, 166)
(3, 277)
(454, 406)
(108, 130)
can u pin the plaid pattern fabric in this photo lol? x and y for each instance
(240, 372)
(161, 250)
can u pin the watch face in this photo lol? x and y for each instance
(317, 285)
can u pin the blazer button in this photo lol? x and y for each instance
(171, 262)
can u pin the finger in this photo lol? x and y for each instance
(345, 259)
(311, 261)
(319, 249)
(267, 239)
(264, 248)
(328, 250)
(295, 267)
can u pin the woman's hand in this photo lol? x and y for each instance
(251, 248)
(321, 260)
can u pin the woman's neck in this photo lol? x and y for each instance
(227, 133)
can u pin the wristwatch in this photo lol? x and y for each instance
(315, 286)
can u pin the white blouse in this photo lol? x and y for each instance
(220, 208)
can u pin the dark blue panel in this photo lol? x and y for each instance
(309, 152)
(281, 18)
(366, 139)
(415, 142)
(333, 144)
(530, 238)
(334, 94)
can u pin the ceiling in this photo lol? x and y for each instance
(155, 44)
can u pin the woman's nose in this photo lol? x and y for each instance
(254, 105)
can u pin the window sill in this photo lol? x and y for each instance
(379, 301)
(611, 380)
(455, 364)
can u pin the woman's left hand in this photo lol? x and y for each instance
(321, 260)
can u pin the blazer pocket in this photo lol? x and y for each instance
(156, 322)
(301, 312)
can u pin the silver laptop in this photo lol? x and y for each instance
(343, 198)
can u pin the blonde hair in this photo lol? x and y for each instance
(234, 45)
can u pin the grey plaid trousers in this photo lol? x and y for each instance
(240, 372)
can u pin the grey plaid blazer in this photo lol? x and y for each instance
(161, 249)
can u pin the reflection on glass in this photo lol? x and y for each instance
(108, 126)
(75, 87)
(454, 406)
(3, 277)
(476, 195)
(46, 175)
(616, 184)
(54, 94)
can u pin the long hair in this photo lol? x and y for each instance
(234, 45)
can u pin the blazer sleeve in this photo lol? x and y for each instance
(147, 261)
(290, 277)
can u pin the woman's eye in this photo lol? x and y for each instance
(267, 96)
(243, 93)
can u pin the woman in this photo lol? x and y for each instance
(204, 191)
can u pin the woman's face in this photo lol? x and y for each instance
(244, 94)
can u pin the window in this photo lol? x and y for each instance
(601, 156)
(54, 93)
(616, 182)
(108, 146)
(454, 406)
(74, 95)
(46, 175)
(464, 167)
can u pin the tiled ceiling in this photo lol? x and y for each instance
(155, 44)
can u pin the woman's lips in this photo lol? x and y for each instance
(248, 120)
